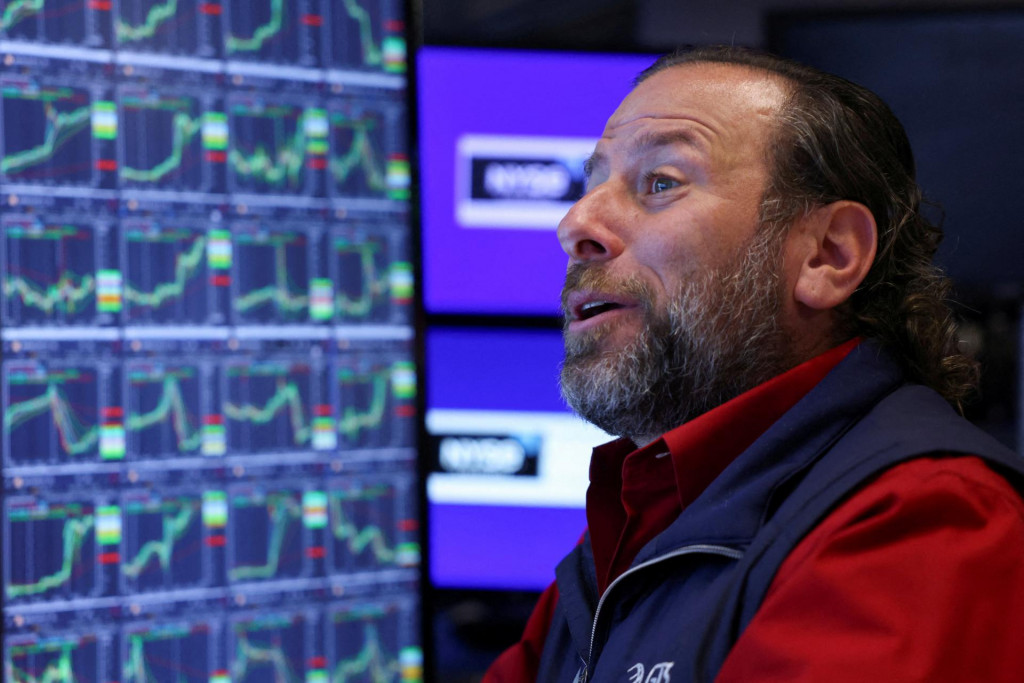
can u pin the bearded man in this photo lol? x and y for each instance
(751, 306)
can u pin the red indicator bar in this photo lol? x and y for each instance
(312, 20)
(106, 164)
(101, 5)
(216, 157)
(220, 280)
(112, 411)
(405, 411)
(213, 419)
(322, 410)
(317, 552)
(317, 163)
(408, 524)
(216, 541)
(110, 558)
(211, 8)
(394, 25)
(317, 662)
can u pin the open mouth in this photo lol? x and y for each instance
(595, 308)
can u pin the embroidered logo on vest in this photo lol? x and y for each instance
(659, 673)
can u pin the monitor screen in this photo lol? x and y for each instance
(503, 138)
(509, 461)
(208, 384)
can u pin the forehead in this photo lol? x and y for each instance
(717, 104)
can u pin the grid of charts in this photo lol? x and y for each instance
(208, 375)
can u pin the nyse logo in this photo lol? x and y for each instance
(659, 673)
(486, 454)
(518, 181)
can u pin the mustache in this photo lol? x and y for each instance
(589, 277)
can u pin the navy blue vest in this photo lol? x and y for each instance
(690, 592)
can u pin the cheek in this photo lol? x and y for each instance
(703, 231)
(728, 231)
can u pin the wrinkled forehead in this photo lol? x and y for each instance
(723, 98)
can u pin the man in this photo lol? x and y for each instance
(750, 304)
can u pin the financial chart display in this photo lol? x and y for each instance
(208, 381)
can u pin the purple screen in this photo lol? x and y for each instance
(501, 134)
(495, 372)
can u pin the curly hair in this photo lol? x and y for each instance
(837, 140)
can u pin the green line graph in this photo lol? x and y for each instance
(284, 293)
(67, 295)
(262, 34)
(135, 668)
(75, 533)
(19, 10)
(353, 420)
(177, 518)
(181, 657)
(171, 404)
(372, 663)
(373, 284)
(286, 397)
(359, 539)
(284, 512)
(371, 52)
(277, 164)
(183, 130)
(251, 657)
(60, 668)
(60, 127)
(51, 275)
(187, 264)
(157, 15)
(360, 153)
(76, 437)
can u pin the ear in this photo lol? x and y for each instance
(831, 253)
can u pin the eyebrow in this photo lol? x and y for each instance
(647, 141)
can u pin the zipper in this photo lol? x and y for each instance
(701, 548)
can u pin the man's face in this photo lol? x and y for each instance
(669, 277)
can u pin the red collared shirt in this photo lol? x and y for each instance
(635, 494)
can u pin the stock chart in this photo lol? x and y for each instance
(208, 381)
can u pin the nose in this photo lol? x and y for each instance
(589, 231)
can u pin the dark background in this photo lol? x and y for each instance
(960, 93)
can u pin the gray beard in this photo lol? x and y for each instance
(719, 336)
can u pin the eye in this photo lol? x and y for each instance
(656, 183)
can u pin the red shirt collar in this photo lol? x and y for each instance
(635, 493)
(706, 445)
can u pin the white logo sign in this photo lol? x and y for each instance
(521, 182)
(659, 673)
(482, 455)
